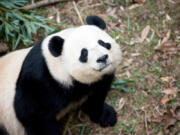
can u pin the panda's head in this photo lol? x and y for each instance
(85, 53)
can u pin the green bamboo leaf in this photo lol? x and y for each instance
(18, 16)
(26, 40)
(1, 27)
(7, 15)
(15, 31)
(41, 18)
(47, 28)
(19, 3)
(82, 129)
(28, 28)
(8, 5)
(126, 89)
(5, 4)
(121, 85)
(33, 27)
(17, 42)
(6, 33)
(117, 82)
(23, 30)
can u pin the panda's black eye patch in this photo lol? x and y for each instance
(84, 55)
(106, 45)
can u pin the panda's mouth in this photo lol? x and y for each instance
(102, 67)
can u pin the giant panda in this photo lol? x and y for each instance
(67, 70)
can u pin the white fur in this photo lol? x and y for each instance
(68, 64)
(10, 66)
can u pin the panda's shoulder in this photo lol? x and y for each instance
(12, 62)
(34, 61)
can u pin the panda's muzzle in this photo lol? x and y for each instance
(102, 59)
(103, 62)
(103, 66)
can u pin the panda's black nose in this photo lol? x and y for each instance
(102, 59)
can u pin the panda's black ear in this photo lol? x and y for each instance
(56, 45)
(97, 21)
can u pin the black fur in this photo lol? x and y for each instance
(39, 97)
(84, 55)
(97, 21)
(3, 131)
(105, 45)
(56, 46)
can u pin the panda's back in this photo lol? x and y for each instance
(10, 67)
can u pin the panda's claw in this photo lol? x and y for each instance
(109, 116)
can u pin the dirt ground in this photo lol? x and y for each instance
(146, 91)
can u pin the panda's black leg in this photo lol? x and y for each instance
(42, 127)
(100, 112)
(108, 116)
(95, 106)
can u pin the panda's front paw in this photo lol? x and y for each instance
(108, 117)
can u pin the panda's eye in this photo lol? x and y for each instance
(84, 55)
(106, 45)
